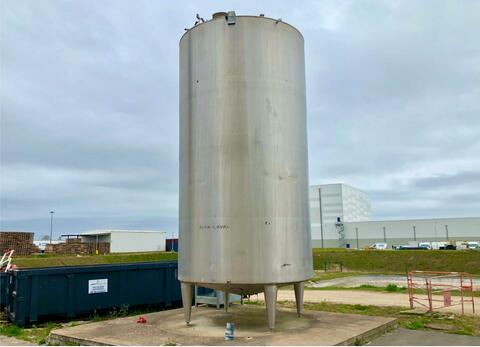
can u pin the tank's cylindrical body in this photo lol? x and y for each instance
(244, 211)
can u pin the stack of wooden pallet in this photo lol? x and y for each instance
(76, 246)
(21, 242)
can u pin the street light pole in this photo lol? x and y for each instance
(51, 225)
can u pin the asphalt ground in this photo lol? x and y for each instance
(405, 337)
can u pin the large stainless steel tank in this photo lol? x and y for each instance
(244, 210)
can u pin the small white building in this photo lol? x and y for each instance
(122, 241)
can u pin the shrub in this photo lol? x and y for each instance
(414, 325)
(392, 287)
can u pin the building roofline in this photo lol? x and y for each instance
(413, 219)
(110, 231)
(340, 184)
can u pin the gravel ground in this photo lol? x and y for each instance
(357, 297)
(378, 281)
(11, 341)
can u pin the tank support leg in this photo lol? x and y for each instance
(299, 287)
(271, 302)
(187, 301)
(226, 301)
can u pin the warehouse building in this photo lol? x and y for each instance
(340, 216)
(127, 240)
(403, 232)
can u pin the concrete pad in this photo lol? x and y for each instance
(208, 328)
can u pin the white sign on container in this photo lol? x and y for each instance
(98, 286)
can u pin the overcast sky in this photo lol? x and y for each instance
(89, 106)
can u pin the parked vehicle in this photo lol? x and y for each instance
(438, 245)
(409, 248)
(473, 245)
(378, 245)
(425, 245)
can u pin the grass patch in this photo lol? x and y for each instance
(50, 260)
(414, 324)
(327, 276)
(391, 288)
(367, 261)
(36, 334)
(389, 261)
(339, 308)
(10, 330)
(368, 310)
(363, 287)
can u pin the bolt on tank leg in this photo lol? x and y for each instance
(271, 303)
(187, 301)
(299, 288)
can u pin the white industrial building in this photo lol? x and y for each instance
(332, 203)
(403, 232)
(128, 240)
(340, 216)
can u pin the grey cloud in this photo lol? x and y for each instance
(467, 179)
(89, 106)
